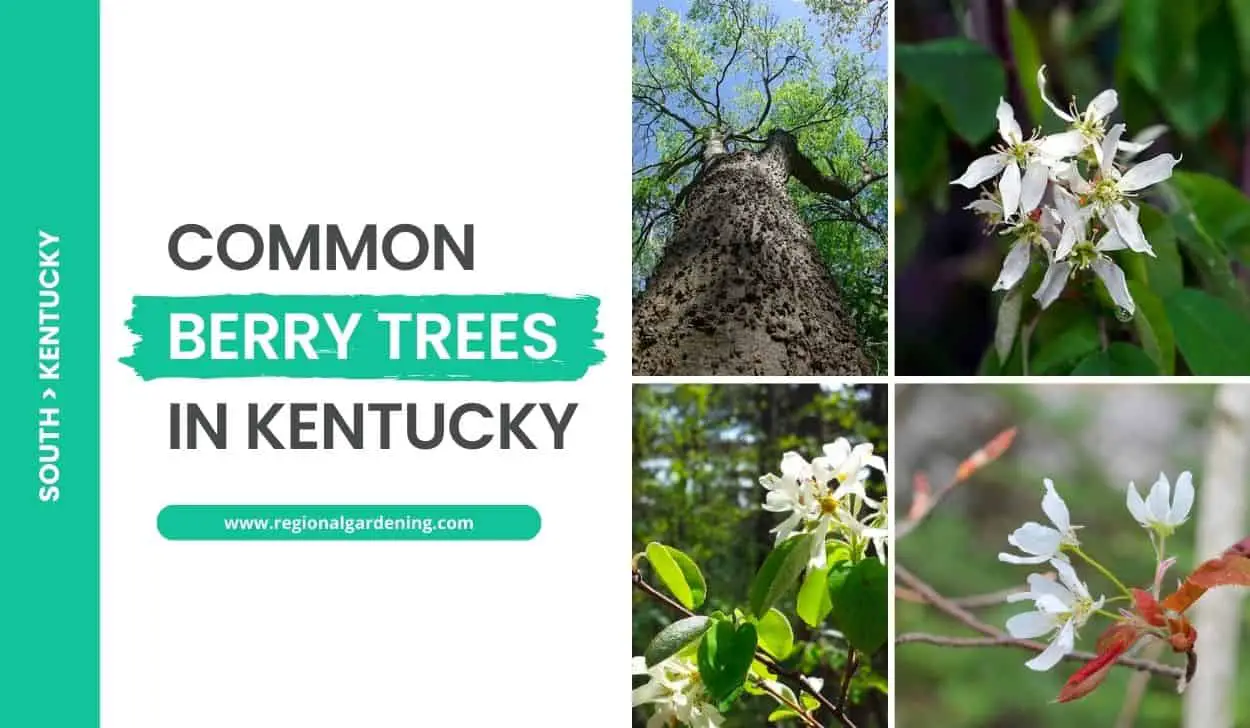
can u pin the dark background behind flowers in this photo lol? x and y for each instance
(1183, 64)
(1091, 440)
(699, 450)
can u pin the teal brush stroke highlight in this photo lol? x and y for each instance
(368, 355)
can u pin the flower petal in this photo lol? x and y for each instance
(1183, 500)
(1106, 152)
(1137, 506)
(985, 207)
(981, 169)
(1062, 145)
(1009, 188)
(1147, 173)
(1053, 283)
(1054, 507)
(1102, 105)
(1015, 265)
(1061, 646)
(1041, 87)
(1033, 187)
(1015, 559)
(1069, 579)
(794, 466)
(837, 450)
(1034, 538)
(1109, 242)
(1040, 587)
(1028, 625)
(1113, 278)
(1124, 221)
(1008, 127)
(1159, 500)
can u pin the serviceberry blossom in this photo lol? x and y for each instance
(1162, 510)
(677, 694)
(826, 495)
(1059, 607)
(1044, 543)
(1068, 199)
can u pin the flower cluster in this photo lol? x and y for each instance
(1062, 607)
(1068, 196)
(677, 694)
(826, 496)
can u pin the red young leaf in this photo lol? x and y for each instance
(1232, 568)
(1090, 676)
(921, 497)
(1121, 635)
(1148, 607)
(986, 455)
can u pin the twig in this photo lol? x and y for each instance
(996, 636)
(984, 455)
(852, 664)
(803, 715)
(1146, 666)
(765, 659)
(976, 601)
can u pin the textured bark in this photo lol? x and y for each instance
(740, 289)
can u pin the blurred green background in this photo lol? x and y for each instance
(1091, 440)
(1182, 63)
(699, 450)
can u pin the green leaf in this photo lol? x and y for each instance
(1119, 359)
(674, 638)
(861, 611)
(780, 572)
(1221, 208)
(776, 635)
(1164, 270)
(1209, 333)
(835, 581)
(1153, 329)
(962, 77)
(725, 657)
(1028, 60)
(1067, 347)
(781, 714)
(1008, 323)
(678, 573)
(813, 600)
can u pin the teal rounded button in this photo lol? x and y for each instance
(348, 523)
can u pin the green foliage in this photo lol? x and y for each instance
(699, 451)
(725, 656)
(675, 638)
(860, 598)
(965, 80)
(678, 573)
(1182, 64)
(737, 69)
(780, 572)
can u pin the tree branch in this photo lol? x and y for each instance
(993, 636)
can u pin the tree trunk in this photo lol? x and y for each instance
(1220, 522)
(740, 289)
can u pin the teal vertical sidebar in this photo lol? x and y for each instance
(49, 363)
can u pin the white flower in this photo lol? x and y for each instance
(824, 494)
(1087, 127)
(1075, 253)
(1024, 164)
(1109, 193)
(1158, 511)
(1060, 607)
(677, 694)
(1043, 543)
(1042, 230)
(792, 492)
